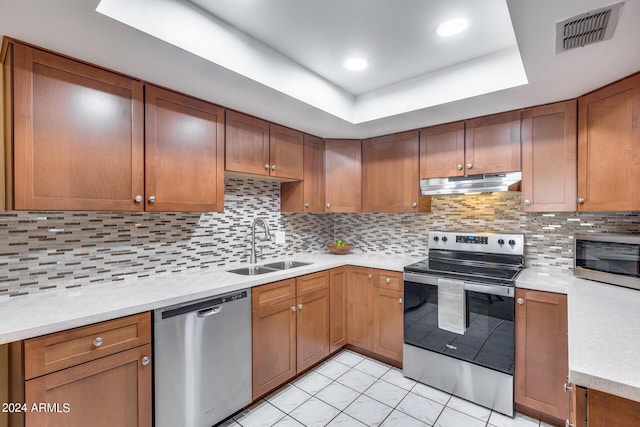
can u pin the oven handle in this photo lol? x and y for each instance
(425, 279)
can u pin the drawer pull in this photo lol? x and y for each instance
(388, 280)
(97, 342)
(399, 300)
(145, 360)
(299, 306)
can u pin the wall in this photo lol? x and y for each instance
(49, 250)
(548, 236)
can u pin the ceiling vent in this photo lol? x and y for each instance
(587, 28)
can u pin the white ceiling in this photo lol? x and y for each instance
(293, 51)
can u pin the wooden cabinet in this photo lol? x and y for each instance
(78, 135)
(97, 375)
(390, 175)
(360, 307)
(388, 312)
(607, 410)
(184, 153)
(253, 147)
(343, 175)
(290, 321)
(492, 144)
(609, 147)
(337, 308)
(307, 195)
(549, 163)
(442, 151)
(541, 366)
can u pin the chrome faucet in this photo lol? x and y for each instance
(267, 236)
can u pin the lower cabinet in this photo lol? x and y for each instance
(607, 410)
(542, 361)
(337, 308)
(360, 307)
(97, 375)
(290, 321)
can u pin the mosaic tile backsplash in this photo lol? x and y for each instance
(49, 250)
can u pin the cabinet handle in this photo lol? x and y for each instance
(469, 165)
(388, 280)
(138, 198)
(414, 204)
(293, 308)
(520, 301)
(267, 166)
(328, 205)
(299, 306)
(567, 387)
(459, 167)
(306, 205)
(399, 300)
(370, 276)
(152, 199)
(97, 342)
(580, 200)
(527, 202)
(568, 424)
(273, 167)
(145, 360)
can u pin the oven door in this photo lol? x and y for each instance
(489, 337)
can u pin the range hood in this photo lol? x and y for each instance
(485, 183)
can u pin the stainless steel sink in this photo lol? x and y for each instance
(284, 265)
(253, 270)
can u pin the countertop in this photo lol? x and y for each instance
(604, 320)
(52, 311)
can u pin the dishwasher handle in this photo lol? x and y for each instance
(210, 311)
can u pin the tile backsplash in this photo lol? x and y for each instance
(48, 250)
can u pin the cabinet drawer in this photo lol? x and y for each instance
(273, 293)
(50, 353)
(312, 282)
(389, 280)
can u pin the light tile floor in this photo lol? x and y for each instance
(352, 390)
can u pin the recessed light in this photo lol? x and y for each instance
(452, 27)
(355, 64)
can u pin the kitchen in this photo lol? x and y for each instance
(103, 251)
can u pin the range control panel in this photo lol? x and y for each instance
(496, 243)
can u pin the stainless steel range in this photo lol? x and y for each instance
(459, 316)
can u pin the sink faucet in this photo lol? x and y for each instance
(267, 236)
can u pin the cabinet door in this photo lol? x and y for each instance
(312, 328)
(184, 153)
(607, 410)
(338, 308)
(390, 176)
(111, 391)
(246, 145)
(442, 151)
(273, 346)
(360, 307)
(285, 153)
(343, 159)
(388, 309)
(78, 135)
(609, 147)
(549, 145)
(492, 144)
(308, 195)
(542, 361)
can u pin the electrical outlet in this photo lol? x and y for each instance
(280, 237)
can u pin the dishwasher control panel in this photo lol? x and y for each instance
(203, 304)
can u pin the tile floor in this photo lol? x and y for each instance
(352, 390)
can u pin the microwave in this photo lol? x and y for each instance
(608, 258)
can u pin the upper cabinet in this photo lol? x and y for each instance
(609, 147)
(492, 144)
(390, 175)
(255, 148)
(549, 140)
(343, 169)
(184, 153)
(442, 151)
(78, 135)
(306, 195)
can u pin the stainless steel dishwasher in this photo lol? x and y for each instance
(202, 360)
